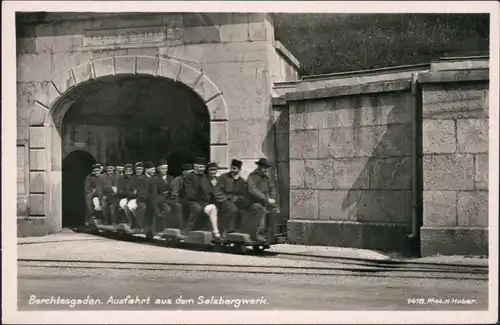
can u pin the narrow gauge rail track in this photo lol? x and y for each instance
(367, 265)
(251, 269)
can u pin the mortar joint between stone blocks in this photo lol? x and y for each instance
(92, 69)
(213, 97)
(157, 66)
(178, 72)
(198, 78)
(55, 88)
(72, 73)
(113, 60)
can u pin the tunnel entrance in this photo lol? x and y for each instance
(75, 168)
(134, 118)
(127, 119)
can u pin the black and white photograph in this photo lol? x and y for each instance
(215, 157)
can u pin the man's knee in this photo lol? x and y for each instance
(210, 209)
(175, 206)
(123, 203)
(132, 205)
(257, 207)
(229, 206)
(165, 207)
(194, 207)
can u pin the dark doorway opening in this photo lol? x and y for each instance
(129, 118)
(75, 168)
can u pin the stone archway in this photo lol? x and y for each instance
(63, 91)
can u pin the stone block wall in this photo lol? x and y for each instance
(350, 166)
(232, 50)
(455, 162)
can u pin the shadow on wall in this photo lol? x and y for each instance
(277, 152)
(382, 190)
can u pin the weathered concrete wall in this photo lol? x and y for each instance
(233, 50)
(350, 166)
(455, 162)
(284, 66)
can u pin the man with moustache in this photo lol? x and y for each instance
(93, 192)
(167, 207)
(234, 187)
(126, 192)
(110, 189)
(199, 193)
(262, 194)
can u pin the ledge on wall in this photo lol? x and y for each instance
(454, 76)
(283, 51)
(349, 90)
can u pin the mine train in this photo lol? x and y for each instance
(215, 226)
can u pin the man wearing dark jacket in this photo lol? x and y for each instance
(126, 191)
(167, 207)
(145, 187)
(177, 194)
(109, 180)
(199, 191)
(93, 192)
(234, 187)
(262, 195)
(225, 210)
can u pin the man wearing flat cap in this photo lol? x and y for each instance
(224, 208)
(139, 168)
(145, 201)
(167, 207)
(198, 190)
(126, 191)
(234, 187)
(109, 179)
(119, 170)
(262, 195)
(93, 192)
(177, 194)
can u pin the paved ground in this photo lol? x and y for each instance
(78, 266)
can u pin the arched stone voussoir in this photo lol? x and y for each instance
(169, 69)
(147, 65)
(189, 76)
(103, 67)
(83, 72)
(206, 89)
(64, 81)
(217, 108)
(125, 65)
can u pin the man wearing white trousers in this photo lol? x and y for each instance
(127, 192)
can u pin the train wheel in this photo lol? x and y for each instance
(240, 249)
(258, 248)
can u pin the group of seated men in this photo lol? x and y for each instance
(150, 198)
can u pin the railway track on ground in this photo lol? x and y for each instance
(334, 270)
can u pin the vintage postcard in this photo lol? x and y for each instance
(250, 162)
